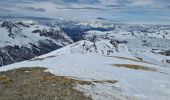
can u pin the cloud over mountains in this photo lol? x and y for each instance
(121, 10)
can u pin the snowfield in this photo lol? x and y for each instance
(135, 79)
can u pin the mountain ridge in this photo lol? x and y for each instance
(22, 41)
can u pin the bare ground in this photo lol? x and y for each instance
(35, 84)
(136, 67)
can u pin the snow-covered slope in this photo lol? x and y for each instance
(113, 77)
(24, 40)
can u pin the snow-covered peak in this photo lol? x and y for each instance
(84, 46)
(104, 47)
(22, 40)
(22, 34)
(28, 22)
(92, 24)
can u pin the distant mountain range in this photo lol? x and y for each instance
(23, 40)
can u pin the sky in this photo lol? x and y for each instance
(120, 11)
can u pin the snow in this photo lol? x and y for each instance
(138, 43)
(132, 84)
(103, 47)
(23, 36)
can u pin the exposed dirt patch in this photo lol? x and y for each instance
(136, 60)
(106, 81)
(136, 67)
(40, 59)
(35, 84)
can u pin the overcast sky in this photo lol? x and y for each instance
(131, 11)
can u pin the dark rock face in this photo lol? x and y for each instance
(47, 39)
(166, 53)
(9, 26)
(12, 54)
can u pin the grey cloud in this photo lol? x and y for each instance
(4, 9)
(115, 6)
(24, 17)
(101, 18)
(35, 9)
(81, 8)
(168, 6)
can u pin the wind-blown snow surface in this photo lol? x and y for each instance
(72, 61)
